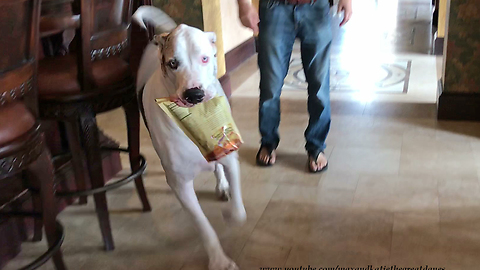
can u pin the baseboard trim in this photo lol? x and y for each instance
(459, 107)
(234, 59)
(226, 85)
(438, 46)
(240, 54)
(439, 88)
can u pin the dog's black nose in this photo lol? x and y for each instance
(194, 95)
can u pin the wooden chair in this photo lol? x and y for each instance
(23, 154)
(95, 78)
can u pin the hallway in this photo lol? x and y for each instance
(402, 188)
(382, 54)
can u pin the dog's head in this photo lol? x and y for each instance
(188, 59)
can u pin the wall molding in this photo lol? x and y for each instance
(240, 54)
(226, 85)
(459, 106)
(233, 59)
(438, 46)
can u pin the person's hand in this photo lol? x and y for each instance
(248, 15)
(346, 7)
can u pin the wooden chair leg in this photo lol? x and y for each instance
(43, 173)
(37, 223)
(73, 134)
(21, 224)
(95, 170)
(132, 115)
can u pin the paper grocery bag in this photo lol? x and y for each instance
(209, 125)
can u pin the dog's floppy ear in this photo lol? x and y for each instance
(159, 40)
(212, 36)
(213, 39)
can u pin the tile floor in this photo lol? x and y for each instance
(402, 189)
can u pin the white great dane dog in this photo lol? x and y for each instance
(181, 64)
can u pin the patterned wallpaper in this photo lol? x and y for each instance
(183, 11)
(462, 69)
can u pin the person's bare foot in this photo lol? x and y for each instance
(318, 165)
(265, 158)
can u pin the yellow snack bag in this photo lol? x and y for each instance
(209, 125)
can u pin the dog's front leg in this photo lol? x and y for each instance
(236, 213)
(222, 189)
(186, 195)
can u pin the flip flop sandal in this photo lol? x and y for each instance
(315, 157)
(259, 161)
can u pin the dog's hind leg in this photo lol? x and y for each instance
(235, 213)
(222, 188)
(186, 195)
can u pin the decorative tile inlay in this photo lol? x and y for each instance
(388, 77)
(403, 36)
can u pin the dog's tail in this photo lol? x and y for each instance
(152, 15)
(149, 62)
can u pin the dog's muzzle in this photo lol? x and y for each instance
(194, 95)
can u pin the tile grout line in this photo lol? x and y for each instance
(288, 256)
(391, 241)
(256, 224)
(438, 205)
(355, 192)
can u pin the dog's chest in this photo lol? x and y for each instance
(175, 149)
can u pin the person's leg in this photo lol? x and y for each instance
(316, 37)
(276, 38)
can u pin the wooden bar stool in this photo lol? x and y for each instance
(95, 78)
(23, 154)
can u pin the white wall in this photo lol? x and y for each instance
(234, 33)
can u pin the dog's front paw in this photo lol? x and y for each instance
(235, 216)
(222, 263)
(223, 193)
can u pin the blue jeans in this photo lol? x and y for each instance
(280, 25)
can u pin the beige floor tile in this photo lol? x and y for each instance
(347, 124)
(364, 160)
(459, 211)
(417, 241)
(458, 131)
(475, 143)
(421, 240)
(288, 224)
(335, 190)
(401, 110)
(370, 139)
(436, 145)
(326, 258)
(459, 193)
(256, 255)
(243, 73)
(350, 108)
(397, 194)
(296, 194)
(408, 127)
(423, 156)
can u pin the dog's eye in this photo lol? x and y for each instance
(173, 64)
(205, 59)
